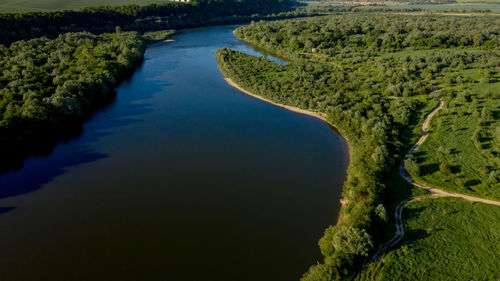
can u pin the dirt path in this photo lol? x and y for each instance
(400, 231)
(398, 213)
(318, 115)
(406, 176)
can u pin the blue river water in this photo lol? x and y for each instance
(182, 177)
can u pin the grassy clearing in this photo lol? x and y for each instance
(446, 239)
(462, 151)
(8, 6)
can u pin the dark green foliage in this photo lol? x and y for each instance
(363, 119)
(173, 15)
(368, 33)
(47, 85)
(349, 240)
(45, 79)
(369, 74)
(381, 213)
(159, 35)
(321, 272)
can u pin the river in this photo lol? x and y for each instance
(182, 177)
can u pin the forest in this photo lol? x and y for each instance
(49, 86)
(372, 75)
(57, 67)
(97, 20)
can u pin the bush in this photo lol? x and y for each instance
(381, 213)
(321, 272)
(352, 241)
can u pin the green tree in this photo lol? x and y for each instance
(352, 241)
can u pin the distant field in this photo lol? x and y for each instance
(446, 239)
(468, 5)
(494, 7)
(8, 6)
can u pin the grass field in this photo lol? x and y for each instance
(446, 239)
(7, 6)
(461, 5)
(462, 151)
(464, 6)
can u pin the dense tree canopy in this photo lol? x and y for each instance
(63, 73)
(46, 83)
(371, 74)
(98, 20)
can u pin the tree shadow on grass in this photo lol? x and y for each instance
(472, 183)
(412, 212)
(429, 169)
(455, 169)
(419, 157)
(412, 236)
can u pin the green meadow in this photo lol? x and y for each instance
(445, 239)
(462, 151)
(9, 6)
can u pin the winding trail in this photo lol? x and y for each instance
(398, 213)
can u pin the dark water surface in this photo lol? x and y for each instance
(181, 178)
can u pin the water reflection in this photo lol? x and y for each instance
(182, 177)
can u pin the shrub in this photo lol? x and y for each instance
(352, 241)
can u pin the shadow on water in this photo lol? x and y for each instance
(36, 174)
(27, 171)
(178, 153)
(42, 143)
(6, 209)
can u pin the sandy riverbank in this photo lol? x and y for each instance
(318, 115)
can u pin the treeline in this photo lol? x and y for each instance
(383, 1)
(372, 125)
(49, 86)
(50, 83)
(369, 74)
(365, 32)
(97, 20)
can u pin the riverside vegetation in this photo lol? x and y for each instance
(56, 67)
(373, 76)
(171, 15)
(49, 85)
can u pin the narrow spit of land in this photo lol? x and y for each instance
(318, 115)
(398, 213)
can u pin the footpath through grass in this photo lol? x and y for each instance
(446, 239)
(462, 151)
